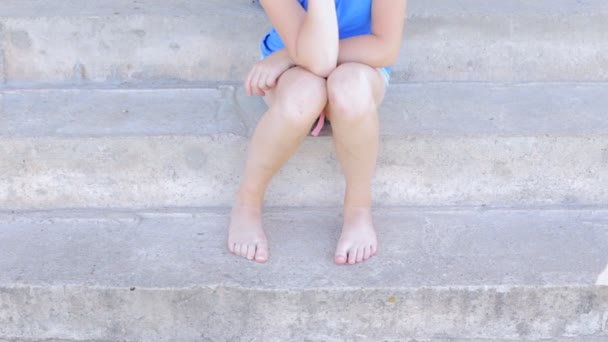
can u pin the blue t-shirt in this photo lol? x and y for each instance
(354, 19)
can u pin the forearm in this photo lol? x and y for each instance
(317, 43)
(282, 57)
(368, 49)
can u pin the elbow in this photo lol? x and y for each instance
(383, 60)
(391, 59)
(321, 66)
(388, 52)
(391, 56)
(323, 69)
(321, 62)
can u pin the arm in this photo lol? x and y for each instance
(381, 47)
(311, 38)
(264, 74)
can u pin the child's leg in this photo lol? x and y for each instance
(294, 105)
(354, 93)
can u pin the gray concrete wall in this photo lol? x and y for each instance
(115, 42)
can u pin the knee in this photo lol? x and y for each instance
(302, 98)
(350, 93)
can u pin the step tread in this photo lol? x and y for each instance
(86, 8)
(411, 109)
(49, 8)
(563, 339)
(419, 248)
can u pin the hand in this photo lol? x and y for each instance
(264, 74)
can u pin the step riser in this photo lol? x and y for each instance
(315, 315)
(135, 172)
(167, 275)
(414, 109)
(155, 48)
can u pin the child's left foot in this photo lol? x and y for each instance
(358, 240)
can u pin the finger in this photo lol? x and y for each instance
(262, 83)
(260, 86)
(260, 91)
(271, 82)
(248, 81)
(255, 81)
(263, 80)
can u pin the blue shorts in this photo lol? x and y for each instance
(387, 76)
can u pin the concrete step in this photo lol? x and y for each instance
(462, 273)
(146, 41)
(442, 144)
(565, 339)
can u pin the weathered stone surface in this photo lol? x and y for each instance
(413, 109)
(482, 109)
(119, 112)
(110, 42)
(443, 144)
(159, 276)
(140, 172)
(160, 120)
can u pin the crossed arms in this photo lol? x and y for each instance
(312, 42)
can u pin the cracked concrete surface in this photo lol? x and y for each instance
(152, 41)
(534, 144)
(467, 273)
(491, 208)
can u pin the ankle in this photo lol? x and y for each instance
(357, 210)
(354, 214)
(357, 205)
(249, 198)
(358, 196)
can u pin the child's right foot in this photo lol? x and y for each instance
(246, 237)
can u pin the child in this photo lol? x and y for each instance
(323, 59)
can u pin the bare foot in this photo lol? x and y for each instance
(358, 240)
(246, 237)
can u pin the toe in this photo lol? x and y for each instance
(231, 247)
(237, 249)
(352, 256)
(374, 249)
(341, 254)
(367, 252)
(261, 254)
(360, 252)
(250, 252)
(243, 250)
